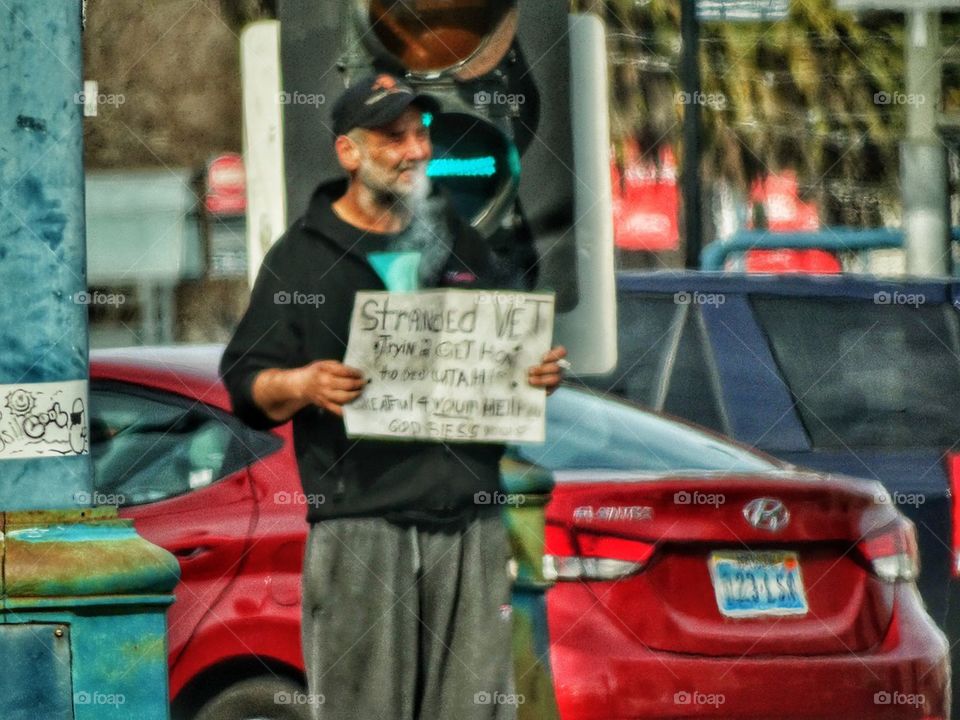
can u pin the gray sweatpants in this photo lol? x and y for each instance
(407, 623)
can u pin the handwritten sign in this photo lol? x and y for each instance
(449, 365)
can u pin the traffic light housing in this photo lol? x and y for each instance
(503, 141)
(471, 56)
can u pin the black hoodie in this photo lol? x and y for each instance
(323, 260)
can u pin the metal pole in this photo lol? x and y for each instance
(923, 157)
(44, 452)
(690, 171)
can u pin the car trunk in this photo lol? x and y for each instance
(677, 562)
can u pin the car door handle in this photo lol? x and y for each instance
(189, 553)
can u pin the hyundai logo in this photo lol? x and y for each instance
(767, 514)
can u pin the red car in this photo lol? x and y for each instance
(694, 577)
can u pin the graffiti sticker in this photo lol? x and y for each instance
(43, 420)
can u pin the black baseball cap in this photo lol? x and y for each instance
(375, 101)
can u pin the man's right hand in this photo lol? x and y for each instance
(328, 384)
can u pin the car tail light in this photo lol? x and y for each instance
(892, 552)
(953, 471)
(590, 556)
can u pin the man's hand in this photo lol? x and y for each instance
(325, 383)
(549, 372)
(330, 384)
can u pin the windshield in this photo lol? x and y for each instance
(590, 431)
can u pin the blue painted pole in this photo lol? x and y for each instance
(44, 448)
(82, 596)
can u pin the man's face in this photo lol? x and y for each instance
(393, 158)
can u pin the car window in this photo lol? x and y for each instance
(150, 446)
(647, 329)
(586, 431)
(693, 388)
(868, 374)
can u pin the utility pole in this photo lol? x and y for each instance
(691, 188)
(923, 157)
(82, 596)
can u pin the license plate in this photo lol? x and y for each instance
(750, 584)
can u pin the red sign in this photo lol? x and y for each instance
(226, 185)
(786, 212)
(646, 202)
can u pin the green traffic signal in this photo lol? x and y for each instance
(477, 163)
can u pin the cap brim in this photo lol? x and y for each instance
(389, 109)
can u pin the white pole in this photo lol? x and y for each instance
(589, 331)
(262, 139)
(923, 157)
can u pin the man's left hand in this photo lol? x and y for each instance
(549, 372)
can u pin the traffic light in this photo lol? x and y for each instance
(466, 53)
(503, 142)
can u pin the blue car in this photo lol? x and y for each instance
(844, 374)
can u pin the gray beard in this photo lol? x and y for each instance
(427, 234)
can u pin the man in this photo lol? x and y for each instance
(405, 589)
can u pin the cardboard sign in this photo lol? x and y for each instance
(449, 365)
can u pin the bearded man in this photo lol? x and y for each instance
(406, 592)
